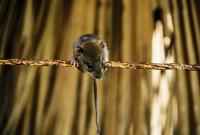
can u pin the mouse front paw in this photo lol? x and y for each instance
(74, 62)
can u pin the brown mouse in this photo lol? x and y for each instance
(90, 54)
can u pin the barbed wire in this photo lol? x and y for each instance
(110, 64)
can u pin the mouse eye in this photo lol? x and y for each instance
(89, 66)
(80, 50)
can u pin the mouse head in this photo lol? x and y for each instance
(91, 56)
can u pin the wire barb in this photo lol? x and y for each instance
(110, 64)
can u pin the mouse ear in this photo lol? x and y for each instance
(102, 44)
(80, 50)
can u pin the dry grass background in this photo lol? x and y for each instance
(59, 101)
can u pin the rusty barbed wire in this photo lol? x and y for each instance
(110, 64)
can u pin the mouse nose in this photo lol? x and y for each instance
(98, 75)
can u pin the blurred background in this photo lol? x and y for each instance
(59, 101)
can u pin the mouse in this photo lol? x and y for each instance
(90, 54)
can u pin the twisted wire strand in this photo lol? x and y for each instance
(110, 64)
